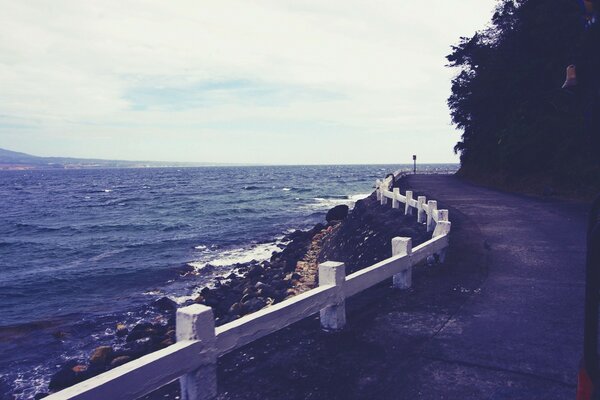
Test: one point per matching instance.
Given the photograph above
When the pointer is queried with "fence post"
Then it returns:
(442, 228)
(333, 273)
(407, 207)
(395, 202)
(442, 215)
(432, 207)
(421, 214)
(402, 246)
(378, 189)
(196, 322)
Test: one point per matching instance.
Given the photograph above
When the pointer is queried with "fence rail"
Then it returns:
(193, 358)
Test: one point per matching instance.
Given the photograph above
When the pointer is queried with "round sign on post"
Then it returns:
(414, 164)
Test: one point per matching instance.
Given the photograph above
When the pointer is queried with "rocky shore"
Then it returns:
(358, 237)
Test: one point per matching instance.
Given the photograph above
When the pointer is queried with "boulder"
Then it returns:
(117, 361)
(101, 356)
(254, 305)
(144, 330)
(337, 213)
(66, 376)
(165, 304)
(121, 330)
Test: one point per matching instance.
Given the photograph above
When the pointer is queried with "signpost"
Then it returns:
(414, 164)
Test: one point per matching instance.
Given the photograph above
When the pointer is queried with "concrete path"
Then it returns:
(501, 319)
(521, 334)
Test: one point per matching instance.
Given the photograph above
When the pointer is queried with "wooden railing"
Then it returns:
(193, 359)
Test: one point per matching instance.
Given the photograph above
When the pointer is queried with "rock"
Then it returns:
(166, 343)
(119, 361)
(59, 335)
(165, 304)
(66, 376)
(101, 356)
(255, 272)
(235, 309)
(259, 285)
(121, 330)
(337, 213)
(200, 299)
(137, 348)
(144, 330)
(293, 276)
(78, 369)
(317, 228)
(254, 305)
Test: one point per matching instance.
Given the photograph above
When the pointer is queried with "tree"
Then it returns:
(506, 99)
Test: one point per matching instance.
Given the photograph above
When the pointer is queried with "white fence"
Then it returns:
(193, 359)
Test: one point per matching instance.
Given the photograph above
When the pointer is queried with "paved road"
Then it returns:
(501, 319)
(521, 333)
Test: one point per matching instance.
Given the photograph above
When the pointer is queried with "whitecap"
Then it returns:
(286, 189)
(259, 252)
(321, 203)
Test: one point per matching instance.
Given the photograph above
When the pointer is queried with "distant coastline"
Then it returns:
(16, 161)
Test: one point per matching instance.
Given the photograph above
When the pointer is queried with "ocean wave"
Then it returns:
(223, 258)
(327, 202)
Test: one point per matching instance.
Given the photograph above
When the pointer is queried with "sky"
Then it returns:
(264, 81)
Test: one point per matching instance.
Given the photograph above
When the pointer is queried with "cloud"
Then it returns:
(79, 76)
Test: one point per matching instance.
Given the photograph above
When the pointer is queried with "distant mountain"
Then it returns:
(12, 160)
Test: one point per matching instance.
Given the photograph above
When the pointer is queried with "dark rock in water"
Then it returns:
(121, 330)
(136, 349)
(59, 335)
(65, 377)
(337, 213)
(101, 356)
(294, 235)
(117, 361)
(186, 269)
(144, 330)
(165, 304)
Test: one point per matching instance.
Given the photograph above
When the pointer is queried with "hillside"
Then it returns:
(12, 160)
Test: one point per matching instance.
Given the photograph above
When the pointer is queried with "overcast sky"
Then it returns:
(281, 82)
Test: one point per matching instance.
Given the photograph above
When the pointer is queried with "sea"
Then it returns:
(82, 250)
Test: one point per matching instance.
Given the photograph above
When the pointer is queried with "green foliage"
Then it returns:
(506, 97)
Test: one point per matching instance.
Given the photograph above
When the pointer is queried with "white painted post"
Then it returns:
(395, 202)
(442, 228)
(402, 246)
(432, 206)
(383, 198)
(442, 215)
(196, 322)
(333, 273)
(378, 189)
(407, 207)
(421, 214)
